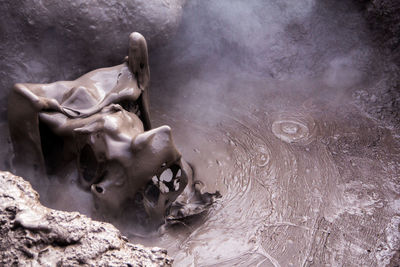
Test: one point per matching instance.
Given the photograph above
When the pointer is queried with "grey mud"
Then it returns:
(94, 135)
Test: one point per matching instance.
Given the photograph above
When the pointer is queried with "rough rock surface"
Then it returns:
(44, 41)
(382, 100)
(384, 18)
(33, 235)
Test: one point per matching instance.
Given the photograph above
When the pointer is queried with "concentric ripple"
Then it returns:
(278, 174)
(300, 129)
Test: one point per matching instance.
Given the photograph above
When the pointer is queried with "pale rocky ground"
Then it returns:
(33, 235)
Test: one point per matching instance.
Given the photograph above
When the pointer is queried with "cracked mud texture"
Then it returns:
(33, 235)
(76, 36)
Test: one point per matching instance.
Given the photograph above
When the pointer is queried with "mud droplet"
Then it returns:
(166, 175)
(163, 188)
(176, 185)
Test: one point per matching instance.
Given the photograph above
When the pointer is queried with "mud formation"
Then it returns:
(44, 41)
(95, 132)
(33, 235)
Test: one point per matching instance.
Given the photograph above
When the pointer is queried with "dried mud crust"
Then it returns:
(33, 235)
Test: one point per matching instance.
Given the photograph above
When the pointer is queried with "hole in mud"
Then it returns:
(88, 164)
(152, 193)
(52, 145)
(99, 189)
(130, 106)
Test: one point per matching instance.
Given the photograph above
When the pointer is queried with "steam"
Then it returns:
(233, 54)
(225, 44)
(233, 60)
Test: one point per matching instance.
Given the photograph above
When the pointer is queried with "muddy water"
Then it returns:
(303, 182)
(306, 177)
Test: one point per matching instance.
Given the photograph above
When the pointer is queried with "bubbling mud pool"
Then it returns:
(302, 183)
(265, 111)
(260, 102)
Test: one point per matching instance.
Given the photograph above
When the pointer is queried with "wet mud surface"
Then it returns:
(263, 99)
(307, 177)
(93, 136)
(302, 183)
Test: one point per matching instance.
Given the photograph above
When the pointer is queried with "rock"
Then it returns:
(384, 18)
(33, 235)
(44, 41)
(383, 101)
